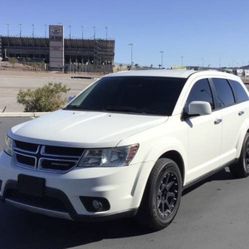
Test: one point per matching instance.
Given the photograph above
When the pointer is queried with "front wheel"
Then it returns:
(162, 195)
(241, 168)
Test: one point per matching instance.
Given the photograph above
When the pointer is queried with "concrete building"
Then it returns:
(91, 55)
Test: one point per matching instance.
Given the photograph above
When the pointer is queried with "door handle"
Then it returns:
(241, 113)
(217, 121)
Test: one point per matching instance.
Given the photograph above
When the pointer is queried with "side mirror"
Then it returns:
(70, 98)
(196, 108)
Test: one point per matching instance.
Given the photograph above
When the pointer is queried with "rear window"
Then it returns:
(224, 92)
(239, 91)
(139, 95)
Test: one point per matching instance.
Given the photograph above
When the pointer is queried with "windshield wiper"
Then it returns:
(127, 109)
(123, 109)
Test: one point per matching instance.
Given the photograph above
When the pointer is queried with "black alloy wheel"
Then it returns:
(240, 169)
(162, 195)
(167, 194)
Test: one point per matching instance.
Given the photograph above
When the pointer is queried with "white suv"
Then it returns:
(128, 145)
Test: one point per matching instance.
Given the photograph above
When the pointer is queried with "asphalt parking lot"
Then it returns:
(213, 214)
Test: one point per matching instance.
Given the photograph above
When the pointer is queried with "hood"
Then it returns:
(83, 129)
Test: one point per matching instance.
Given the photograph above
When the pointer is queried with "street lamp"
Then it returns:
(45, 30)
(131, 45)
(94, 32)
(20, 30)
(70, 34)
(8, 29)
(82, 32)
(181, 60)
(33, 30)
(106, 32)
(162, 53)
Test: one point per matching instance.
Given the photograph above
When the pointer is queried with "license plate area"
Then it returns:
(31, 185)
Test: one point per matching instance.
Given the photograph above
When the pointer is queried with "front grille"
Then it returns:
(56, 164)
(32, 148)
(62, 151)
(26, 160)
(46, 157)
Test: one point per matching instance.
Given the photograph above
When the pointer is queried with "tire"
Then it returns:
(162, 195)
(241, 168)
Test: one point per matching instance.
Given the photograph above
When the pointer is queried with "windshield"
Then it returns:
(132, 95)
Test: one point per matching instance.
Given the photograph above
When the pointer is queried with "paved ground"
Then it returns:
(12, 81)
(213, 214)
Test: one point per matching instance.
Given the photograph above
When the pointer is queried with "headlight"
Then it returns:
(111, 157)
(8, 146)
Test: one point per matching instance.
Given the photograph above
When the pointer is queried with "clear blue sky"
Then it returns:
(203, 32)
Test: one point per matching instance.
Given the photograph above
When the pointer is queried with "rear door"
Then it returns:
(230, 99)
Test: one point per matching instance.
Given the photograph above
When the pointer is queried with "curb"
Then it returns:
(21, 114)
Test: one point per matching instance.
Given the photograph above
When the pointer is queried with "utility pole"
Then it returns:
(94, 32)
(82, 32)
(106, 32)
(20, 30)
(162, 53)
(33, 30)
(70, 35)
(131, 45)
(45, 30)
(8, 29)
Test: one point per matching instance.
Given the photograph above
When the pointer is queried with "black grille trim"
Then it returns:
(53, 164)
(46, 157)
(61, 151)
(27, 147)
(26, 160)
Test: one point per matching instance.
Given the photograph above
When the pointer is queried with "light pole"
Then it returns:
(20, 30)
(162, 53)
(106, 32)
(70, 35)
(45, 30)
(33, 30)
(8, 29)
(131, 45)
(82, 32)
(94, 32)
(181, 60)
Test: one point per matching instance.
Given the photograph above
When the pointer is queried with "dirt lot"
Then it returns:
(12, 81)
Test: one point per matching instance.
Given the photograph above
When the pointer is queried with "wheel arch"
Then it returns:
(142, 181)
(177, 158)
(243, 131)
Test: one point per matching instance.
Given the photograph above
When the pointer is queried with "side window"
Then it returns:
(201, 91)
(224, 92)
(239, 91)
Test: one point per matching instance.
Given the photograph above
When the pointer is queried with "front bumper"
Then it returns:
(117, 185)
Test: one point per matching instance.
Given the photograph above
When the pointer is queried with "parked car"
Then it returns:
(128, 145)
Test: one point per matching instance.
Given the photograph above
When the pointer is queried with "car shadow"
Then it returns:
(27, 230)
(221, 175)
(21, 229)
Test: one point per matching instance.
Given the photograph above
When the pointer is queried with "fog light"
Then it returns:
(98, 206)
(95, 204)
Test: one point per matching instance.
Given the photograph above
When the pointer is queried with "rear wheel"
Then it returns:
(241, 168)
(162, 195)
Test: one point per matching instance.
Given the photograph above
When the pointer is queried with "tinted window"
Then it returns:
(224, 93)
(239, 92)
(141, 95)
(201, 92)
